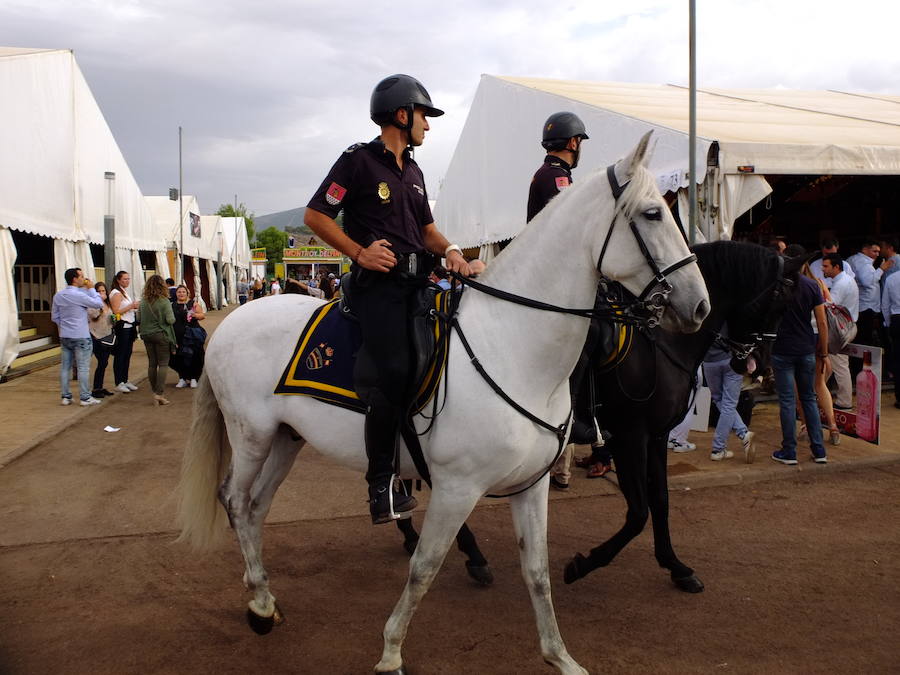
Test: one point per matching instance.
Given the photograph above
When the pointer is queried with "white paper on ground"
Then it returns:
(111, 429)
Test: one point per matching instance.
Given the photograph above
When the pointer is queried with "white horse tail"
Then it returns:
(200, 515)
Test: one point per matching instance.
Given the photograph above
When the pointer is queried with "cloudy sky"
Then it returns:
(270, 92)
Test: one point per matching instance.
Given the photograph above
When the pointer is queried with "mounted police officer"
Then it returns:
(390, 236)
(562, 136)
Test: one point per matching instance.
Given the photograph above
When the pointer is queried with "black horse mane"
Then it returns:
(734, 269)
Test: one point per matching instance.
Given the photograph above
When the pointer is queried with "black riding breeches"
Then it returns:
(383, 303)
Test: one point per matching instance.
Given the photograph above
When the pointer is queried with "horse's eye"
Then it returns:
(653, 214)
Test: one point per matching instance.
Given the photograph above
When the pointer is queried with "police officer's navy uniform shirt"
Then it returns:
(379, 200)
(554, 176)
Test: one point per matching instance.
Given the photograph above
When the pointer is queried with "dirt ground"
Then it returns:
(800, 573)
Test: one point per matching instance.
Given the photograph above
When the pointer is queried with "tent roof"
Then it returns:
(484, 192)
(19, 51)
(760, 117)
(744, 115)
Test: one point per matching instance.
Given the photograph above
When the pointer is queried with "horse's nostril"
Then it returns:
(702, 311)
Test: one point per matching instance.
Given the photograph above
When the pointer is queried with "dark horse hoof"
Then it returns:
(575, 569)
(689, 584)
(480, 573)
(410, 545)
(262, 625)
(397, 671)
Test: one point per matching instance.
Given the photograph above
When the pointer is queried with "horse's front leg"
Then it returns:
(529, 511)
(658, 496)
(630, 455)
(443, 519)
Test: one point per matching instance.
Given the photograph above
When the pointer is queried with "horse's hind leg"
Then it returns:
(443, 519)
(658, 494)
(248, 461)
(529, 511)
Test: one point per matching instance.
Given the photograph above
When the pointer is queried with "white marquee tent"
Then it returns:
(57, 148)
(483, 196)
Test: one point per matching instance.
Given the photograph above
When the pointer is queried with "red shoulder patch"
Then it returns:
(562, 182)
(334, 195)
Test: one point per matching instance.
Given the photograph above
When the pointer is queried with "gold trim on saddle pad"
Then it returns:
(321, 365)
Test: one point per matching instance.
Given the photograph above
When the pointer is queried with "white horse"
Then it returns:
(479, 444)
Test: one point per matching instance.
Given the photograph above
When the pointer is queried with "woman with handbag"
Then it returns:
(100, 323)
(157, 319)
(123, 307)
(189, 357)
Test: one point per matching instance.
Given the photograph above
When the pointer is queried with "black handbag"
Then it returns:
(108, 340)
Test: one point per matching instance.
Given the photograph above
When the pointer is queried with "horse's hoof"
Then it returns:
(410, 545)
(575, 569)
(397, 671)
(261, 625)
(689, 584)
(480, 573)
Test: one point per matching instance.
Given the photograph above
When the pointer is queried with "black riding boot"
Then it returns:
(385, 503)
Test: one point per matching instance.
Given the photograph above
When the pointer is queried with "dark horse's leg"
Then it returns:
(658, 494)
(476, 565)
(630, 453)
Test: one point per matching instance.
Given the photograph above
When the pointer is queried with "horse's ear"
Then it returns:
(627, 167)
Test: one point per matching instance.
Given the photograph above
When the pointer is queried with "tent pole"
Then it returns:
(109, 229)
(692, 115)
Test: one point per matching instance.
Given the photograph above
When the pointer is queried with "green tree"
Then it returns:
(275, 242)
(228, 211)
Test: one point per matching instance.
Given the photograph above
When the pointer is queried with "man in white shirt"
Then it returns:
(867, 278)
(889, 252)
(890, 309)
(829, 246)
(844, 292)
(275, 288)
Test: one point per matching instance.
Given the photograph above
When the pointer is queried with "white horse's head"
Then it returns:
(640, 214)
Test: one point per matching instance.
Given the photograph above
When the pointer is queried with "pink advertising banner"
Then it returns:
(863, 421)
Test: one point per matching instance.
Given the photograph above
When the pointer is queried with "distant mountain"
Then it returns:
(283, 220)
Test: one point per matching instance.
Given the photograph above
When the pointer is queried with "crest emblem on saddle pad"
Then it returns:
(384, 192)
(319, 357)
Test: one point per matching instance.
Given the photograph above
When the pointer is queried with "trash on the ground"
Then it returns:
(111, 429)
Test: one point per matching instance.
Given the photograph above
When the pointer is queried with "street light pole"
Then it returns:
(180, 210)
(692, 122)
(109, 228)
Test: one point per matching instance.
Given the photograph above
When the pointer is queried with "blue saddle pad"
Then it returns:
(322, 363)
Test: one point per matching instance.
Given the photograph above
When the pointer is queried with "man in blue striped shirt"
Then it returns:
(890, 310)
(69, 313)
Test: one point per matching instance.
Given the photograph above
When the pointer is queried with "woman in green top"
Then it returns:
(157, 333)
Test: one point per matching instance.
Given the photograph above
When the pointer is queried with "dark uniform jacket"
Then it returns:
(379, 200)
(553, 177)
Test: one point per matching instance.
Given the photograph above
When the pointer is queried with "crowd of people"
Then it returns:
(93, 322)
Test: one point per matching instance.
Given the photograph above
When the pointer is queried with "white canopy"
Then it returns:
(57, 148)
(484, 193)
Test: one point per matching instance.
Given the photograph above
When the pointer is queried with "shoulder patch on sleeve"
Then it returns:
(562, 182)
(354, 147)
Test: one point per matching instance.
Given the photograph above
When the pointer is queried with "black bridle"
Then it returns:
(742, 350)
(655, 296)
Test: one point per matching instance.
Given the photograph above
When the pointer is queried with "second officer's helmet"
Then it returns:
(399, 91)
(559, 128)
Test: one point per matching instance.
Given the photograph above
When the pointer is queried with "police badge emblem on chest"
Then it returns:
(384, 192)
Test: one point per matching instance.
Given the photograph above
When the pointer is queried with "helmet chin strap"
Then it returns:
(576, 153)
(406, 127)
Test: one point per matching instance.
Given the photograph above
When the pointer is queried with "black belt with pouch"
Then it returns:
(415, 264)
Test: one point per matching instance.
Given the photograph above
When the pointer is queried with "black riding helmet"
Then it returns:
(560, 127)
(400, 91)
